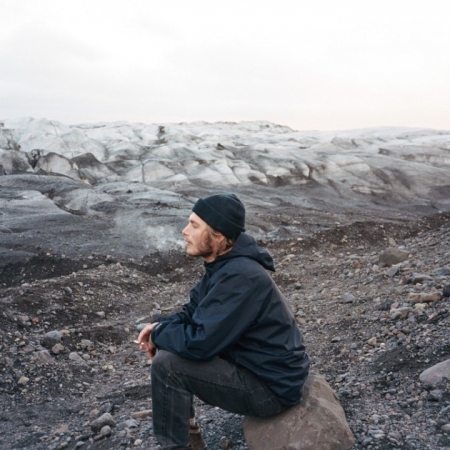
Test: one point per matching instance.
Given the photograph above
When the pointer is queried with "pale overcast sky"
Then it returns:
(315, 64)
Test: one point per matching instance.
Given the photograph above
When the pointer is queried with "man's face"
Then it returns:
(196, 238)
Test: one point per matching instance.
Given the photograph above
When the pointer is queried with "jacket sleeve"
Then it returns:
(219, 320)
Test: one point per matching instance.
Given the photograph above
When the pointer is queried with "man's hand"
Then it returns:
(145, 340)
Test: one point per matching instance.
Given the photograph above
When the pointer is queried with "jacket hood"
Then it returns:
(245, 245)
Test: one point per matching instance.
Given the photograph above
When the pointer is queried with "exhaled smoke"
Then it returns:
(152, 236)
(164, 237)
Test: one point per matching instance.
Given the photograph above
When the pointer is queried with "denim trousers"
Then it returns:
(176, 380)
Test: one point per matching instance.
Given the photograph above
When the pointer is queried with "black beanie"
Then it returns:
(223, 212)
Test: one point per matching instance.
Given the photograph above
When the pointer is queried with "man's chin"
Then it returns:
(192, 253)
(197, 254)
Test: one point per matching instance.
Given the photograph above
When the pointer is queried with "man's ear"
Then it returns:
(221, 238)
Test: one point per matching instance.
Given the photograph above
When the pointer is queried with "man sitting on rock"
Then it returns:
(235, 345)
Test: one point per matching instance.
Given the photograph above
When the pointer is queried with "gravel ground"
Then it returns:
(68, 357)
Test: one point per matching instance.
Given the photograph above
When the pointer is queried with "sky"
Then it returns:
(310, 65)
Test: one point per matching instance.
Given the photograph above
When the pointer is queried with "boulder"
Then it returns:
(317, 423)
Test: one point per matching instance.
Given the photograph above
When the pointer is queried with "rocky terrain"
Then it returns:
(68, 354)
(90, 250)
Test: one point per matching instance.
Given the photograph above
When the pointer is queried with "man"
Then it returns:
(235, 345)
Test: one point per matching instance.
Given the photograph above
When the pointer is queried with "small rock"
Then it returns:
(442, 272)
(420, 278)
(142, 414)
(400, 313)
(43, 357)
(51, 338)
(86, 344)
(105, 431)
(103, 420)
(93, 413)
(392, 271)
(436, 373)
(57, 349)
(74, 356)
(23, 380)
(347, 298)
(392, 256)
(63, 429)
(423, 297)
(105, 407)
(436, 395)
(131, 423)
(226, 444)
(446, 291)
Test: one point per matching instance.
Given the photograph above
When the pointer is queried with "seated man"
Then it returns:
(235, 345)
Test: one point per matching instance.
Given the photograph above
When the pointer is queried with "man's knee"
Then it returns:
(163, 361)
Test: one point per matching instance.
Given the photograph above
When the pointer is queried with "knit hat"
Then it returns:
(223, 212)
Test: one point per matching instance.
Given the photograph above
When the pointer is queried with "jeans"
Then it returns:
(176, 380)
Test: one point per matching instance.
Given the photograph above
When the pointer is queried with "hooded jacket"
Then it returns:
(236, 312)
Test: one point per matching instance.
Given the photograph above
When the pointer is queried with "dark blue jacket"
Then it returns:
(237, 312)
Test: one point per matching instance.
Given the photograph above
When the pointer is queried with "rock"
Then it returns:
(142, 414)
(392, 256)
(74, 356)
(442, 272)
(23, 380)
(392, 271)
(43, 357)
(400, 313)
(106, 407)
(348, 298)
(102, 421)
(436, 373)
(86, 344)
(446, 291)
(423, 297)
(420, 278)
(57, 349)
(317, 423)
(436, 395)
(105, 431)
(51, 338)
(63, 428)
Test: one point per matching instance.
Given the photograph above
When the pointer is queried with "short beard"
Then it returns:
(205, 248)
